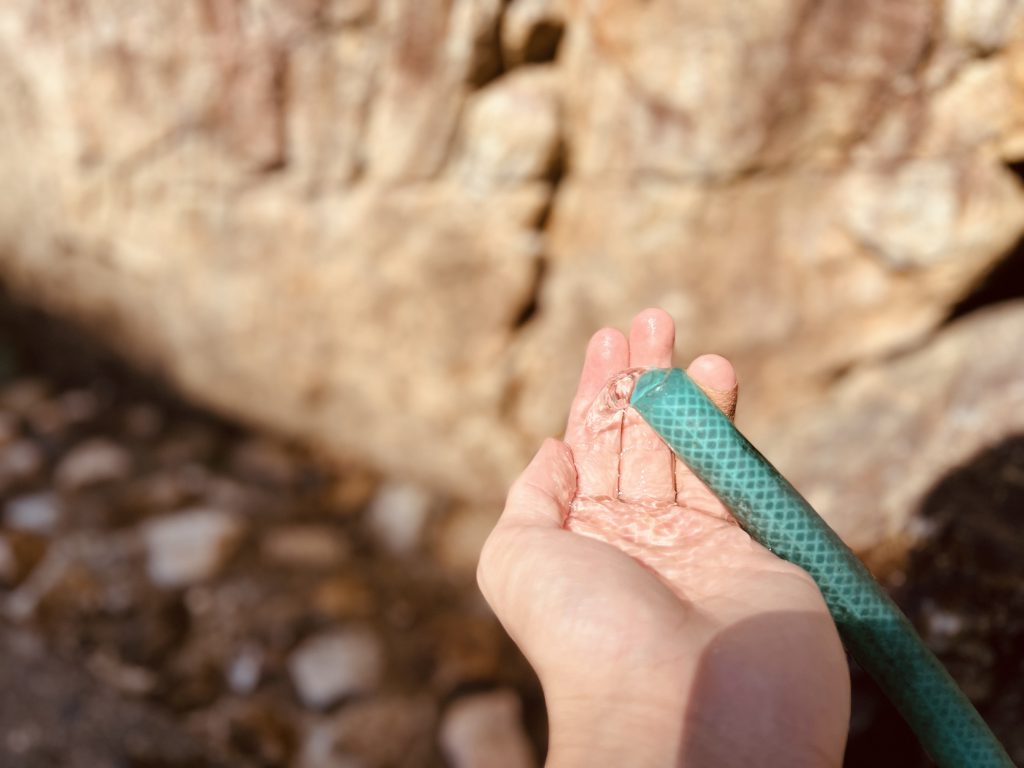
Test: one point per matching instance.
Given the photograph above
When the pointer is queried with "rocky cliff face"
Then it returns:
(388, 227)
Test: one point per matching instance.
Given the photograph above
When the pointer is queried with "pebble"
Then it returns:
(127, 678)
(485, 730)
(20, 461)
(304, 546)
(143, 421)
(461, 536)
(190, 546)
(320, 749)
(352, 491)
(23, 396)
(261, 459)
(944, 623)
(173, 488)
(943, 628)
(343, 597)
(187, 442)
(92, 462)
(397, 515)
(78, 405)
(468, 648)
(36, 512)
(246, 669)
(336, 664)
(253, 731)
(227, 493)
(394, 731)
(47, 419)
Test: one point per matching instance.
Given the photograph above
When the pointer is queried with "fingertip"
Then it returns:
(716, 376)
(606, 345)
(607, 353)
(652, 336)
(652, 322)
(713, 372)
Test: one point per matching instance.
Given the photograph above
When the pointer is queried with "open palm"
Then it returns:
(633, 592)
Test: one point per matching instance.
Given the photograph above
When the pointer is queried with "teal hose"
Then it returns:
(873, 629)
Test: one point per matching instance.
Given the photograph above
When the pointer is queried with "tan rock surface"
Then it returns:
(388, 230)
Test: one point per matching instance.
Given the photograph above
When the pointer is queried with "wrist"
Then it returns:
(615, 729)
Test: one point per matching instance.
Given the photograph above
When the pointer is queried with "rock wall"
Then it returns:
(388, 227)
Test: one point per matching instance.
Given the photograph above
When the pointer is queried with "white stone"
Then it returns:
(397, 515)
(330, 666)
(94, 461)
(36, 512)
(245, 670)
(190, 546)
(945, 624)
(486, 731)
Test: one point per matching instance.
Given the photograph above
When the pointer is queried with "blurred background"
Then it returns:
(293, 288)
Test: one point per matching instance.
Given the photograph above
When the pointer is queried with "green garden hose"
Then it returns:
(873, 629)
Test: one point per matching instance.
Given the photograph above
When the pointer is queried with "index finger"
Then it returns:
(596, 451)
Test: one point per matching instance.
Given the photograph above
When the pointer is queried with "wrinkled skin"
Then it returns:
(661, 633)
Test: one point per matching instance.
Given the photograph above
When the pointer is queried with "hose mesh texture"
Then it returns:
(872, 627)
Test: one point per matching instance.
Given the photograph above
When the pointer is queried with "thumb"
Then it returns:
(717, 378)
(542, 493)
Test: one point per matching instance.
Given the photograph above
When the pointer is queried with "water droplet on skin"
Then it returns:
(612, 401)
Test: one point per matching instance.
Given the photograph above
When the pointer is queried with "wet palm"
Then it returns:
(644, 607)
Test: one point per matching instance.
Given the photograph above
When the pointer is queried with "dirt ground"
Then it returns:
(107, 660)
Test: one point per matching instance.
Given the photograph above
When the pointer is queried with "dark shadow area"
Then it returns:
(34, 340)
(542, 45)
(488, 63)
(964, 591)
(556, 172)
(1005, 282)
(532, 303)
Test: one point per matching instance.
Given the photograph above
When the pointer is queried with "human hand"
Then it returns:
(661, 633)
